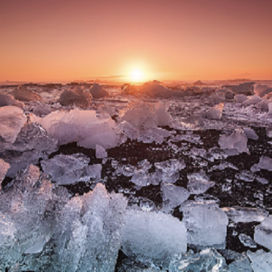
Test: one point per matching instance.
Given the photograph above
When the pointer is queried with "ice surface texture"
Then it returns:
(25, 95)
(153, 237)
(263, 233)
(8, 100)
(264, 163)
(82, 127)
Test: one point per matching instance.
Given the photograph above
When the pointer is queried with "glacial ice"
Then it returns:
(169, 170)
(245, 214)
(215, 112)
(199, 183)
(253, 100)
(237, 141)
(173, 195)
(206, 260)
(11, 121)
(240, 98)
(82, 127)
(247, 241)
(261, 90)
(251, 134)
(3, 170)
(97, 91)
(68, 169)
(263, 233)
(206, 224)
(100, 152)
(8, 100)
(246, 88)
(152, 237)
(261, 261)
(264, 163)
(25, 95)
(77, 96)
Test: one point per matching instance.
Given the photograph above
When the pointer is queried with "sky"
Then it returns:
(122, 40)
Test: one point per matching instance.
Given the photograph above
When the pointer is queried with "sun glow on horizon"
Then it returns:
(137, 75)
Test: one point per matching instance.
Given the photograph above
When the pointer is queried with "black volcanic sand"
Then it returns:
(241, 193)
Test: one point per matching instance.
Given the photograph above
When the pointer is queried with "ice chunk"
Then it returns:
(68, 169)
(246, 176)
(170, 169)
(3, 170)
(240, 98)
(199, 183)
(269, 132)
(98, 91)
(88, 232)
(215, 112)
(218, 97)
(173, 195)
(263, 233)
(246, 88)
(140, 178)
(82, 127)
(8, 100)
(77, 97)
(253, 100)
(41, 109)
(261, 90)
(206, 260)
(153, 237)
(245, 214)
(155, 89)
(264, 163)
(242, 264)
(11, 121)
(247, 240)
(261, 261)
(206, 224)
(251, 134)
(223, 166)
(237, 140)
(25, 95)
(100, 152)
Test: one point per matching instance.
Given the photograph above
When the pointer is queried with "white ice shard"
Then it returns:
(215, 112)
(4, 167)
(88, 232)
(41, 109)
(199, 183)
(100, 152)
(264, 163)
(247, 241)
(12, 120)
(206, 224)
(253, 100)
(173, 196)
(261, 261)
(98, 91)
(170, 169)
(263, 233)
(251, 134)
(245, 214)
(241, 264)
(68, 169)
(206, 260)
(82, 127)
(237, 141)
(153, 237)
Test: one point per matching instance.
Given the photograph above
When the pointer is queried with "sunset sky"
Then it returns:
(52, 40)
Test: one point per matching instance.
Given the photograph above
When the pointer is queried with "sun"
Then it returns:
(137, 75)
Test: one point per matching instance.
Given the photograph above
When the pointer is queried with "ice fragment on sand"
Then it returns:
(261, 261)
(100, 152)
(263, 233)
(173, 195)
(11, 121)
(264, 163)
(170, 169)
(206, 224)
(215, 112)
(240, 98)
(241, 264)
(25, 95)
(253, 100)
(245, 214)
(153, 237)
(246, 176)
(206, 260)
(237, 140)
(251, 134)
(68, 169)
(198, 183)
(247, 240)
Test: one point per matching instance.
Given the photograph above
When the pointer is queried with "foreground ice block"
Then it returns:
(264, 163)
(11, 121)
(261, 261)
(263, 233)
(8, 100)
(215, 112)
(206, 224)
(237, 140)
(68, 169)
(153, 237)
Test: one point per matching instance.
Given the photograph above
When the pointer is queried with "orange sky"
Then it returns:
(52, 40)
